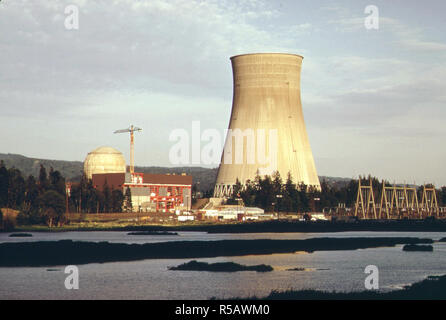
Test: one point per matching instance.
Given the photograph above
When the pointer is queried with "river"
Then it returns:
(151, 279)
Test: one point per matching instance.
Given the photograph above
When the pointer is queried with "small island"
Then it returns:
(20, 235)
(152, 233)
(416, 247)
(194, 265)
(296, 269)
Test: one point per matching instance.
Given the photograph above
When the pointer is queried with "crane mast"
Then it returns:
(131, 130)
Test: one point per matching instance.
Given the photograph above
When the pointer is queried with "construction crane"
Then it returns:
(131, 129)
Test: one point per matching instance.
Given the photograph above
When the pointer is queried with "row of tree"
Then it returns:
(44, 200)
(85, 198)
(272, 194)
(40, 200)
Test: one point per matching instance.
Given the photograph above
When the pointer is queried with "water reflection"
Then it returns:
(151, 279)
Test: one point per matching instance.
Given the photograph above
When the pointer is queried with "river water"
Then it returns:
(151, 279)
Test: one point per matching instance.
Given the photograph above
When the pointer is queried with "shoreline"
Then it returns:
(68, 252)
(274, 226)
(431, 288)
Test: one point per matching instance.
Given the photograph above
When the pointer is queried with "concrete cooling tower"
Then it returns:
(266, 130)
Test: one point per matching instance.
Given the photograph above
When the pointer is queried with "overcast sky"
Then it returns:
(374, 100)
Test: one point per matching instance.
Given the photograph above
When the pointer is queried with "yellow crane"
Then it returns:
(131, 129)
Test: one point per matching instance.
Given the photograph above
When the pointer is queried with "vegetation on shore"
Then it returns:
(194, 265)
(66, 252)
(417, 247)
(275, 226)
(42, 199)
(272, 193)
(432, 288)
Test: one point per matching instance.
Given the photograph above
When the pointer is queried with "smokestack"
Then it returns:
(266, 130)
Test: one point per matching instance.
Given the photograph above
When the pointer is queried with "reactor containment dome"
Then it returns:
(104, 160)
(266, 130)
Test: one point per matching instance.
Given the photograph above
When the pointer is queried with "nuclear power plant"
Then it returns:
(104, 160)
(148, 192)
(266, 130)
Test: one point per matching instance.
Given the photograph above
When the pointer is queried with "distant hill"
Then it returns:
(31, 166)
(337, 182)
(72, 170)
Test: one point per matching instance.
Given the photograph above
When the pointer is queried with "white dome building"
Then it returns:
(104, 160)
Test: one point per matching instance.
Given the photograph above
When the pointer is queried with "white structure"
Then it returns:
(267, 128)
(104, 160)
(232, 212)
(318, 216)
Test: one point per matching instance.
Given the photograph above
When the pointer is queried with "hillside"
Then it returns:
(31, 166)
(204, 177)
(72, 170)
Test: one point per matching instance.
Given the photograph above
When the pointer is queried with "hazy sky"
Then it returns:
(374, 100)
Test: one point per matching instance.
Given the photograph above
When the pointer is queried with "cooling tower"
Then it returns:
(266, 129)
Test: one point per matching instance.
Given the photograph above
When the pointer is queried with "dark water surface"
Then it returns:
(151, 279)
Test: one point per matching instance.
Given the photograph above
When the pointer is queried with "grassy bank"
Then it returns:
(254, 227)
(432, 288)
(66, 252)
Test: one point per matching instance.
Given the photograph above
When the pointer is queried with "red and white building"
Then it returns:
(150, 192)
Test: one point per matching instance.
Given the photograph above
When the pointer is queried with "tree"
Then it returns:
(442, 197)
(56, 182)
(4, 185)
(304, 203)
(265, 196)
(289, 195)
(43, 180)
(277, 183)
(16, 190)
(351, 192)
(277, 190)
(107, 197)
(117, 200)
(91, 197)
(128, 206)
(248, 194)
(32, 192)
(53, 207)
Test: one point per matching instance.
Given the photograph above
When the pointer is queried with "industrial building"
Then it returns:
(234, 212)
(150, 192)
(104, 160)
(266, 99)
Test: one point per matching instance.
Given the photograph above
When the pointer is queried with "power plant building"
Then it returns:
(267, 131)
(104, 160)
(150, 192)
